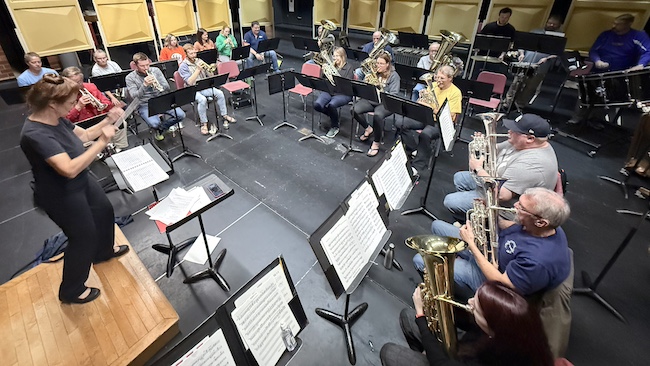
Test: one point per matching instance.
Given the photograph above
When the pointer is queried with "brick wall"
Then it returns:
(5, 69)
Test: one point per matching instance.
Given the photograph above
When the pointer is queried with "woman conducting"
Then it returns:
(511, 333)
(328, 104)
(389, 83)
(62, 185)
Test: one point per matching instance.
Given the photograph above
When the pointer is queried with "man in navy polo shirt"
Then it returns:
(253, 38)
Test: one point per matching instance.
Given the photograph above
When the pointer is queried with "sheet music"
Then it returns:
(203, 198)
(447, 127)
(365, 219)
(393, 177)
(212, 350)
(174, 207)
(128, 111)
(341, 246)
(258, 318)
(139, 168)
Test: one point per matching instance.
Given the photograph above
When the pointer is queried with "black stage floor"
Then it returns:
(284, 189)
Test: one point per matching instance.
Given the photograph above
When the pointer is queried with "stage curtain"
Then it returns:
(526, 15)
(363, 15)
(175, 17)
(404, 15)
(50, 27)
(328, 9)
(587, 19)
(214, 14)
(460, 16)
(114, 15)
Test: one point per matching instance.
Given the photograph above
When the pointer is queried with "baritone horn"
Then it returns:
(93, 100)
(210, 69)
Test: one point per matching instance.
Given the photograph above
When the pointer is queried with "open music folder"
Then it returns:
(139, 169)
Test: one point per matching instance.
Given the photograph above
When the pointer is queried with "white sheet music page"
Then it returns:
(447, 127)
(341, 246)
(174, 207)
(364, 217)
(139, 168)
(212, 350)
(258, 318)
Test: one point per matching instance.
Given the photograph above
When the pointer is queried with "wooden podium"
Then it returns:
(129, 322)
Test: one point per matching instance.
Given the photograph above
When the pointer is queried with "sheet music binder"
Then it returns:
(376, 166)
(156, 154)
(242, 355)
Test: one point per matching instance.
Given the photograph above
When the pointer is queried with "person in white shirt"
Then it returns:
(104, 66)
(425, 62)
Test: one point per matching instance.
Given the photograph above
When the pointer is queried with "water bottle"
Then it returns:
(288, 338)
(390, 254)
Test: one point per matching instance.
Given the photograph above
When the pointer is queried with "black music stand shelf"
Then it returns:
(172, 250)
(250, 73)
(214, 82)
(170, 101)
(158, 156)
(279, 82)
(471, 89)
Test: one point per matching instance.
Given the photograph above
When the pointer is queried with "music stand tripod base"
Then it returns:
(211, 272)
(284, 124)
(590, 291)
(345, 322)
(256, 118)
(172, 251)
(350, 149)
(311, 135)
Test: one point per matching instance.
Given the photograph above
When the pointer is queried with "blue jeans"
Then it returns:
(416, 91)
(161, 123)
(250, 61)
(360, 75)
(461, 201)
(202, 102)
(326, 103)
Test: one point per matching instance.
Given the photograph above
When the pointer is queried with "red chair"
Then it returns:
(231, 68)
(178, 80)
(499, 84)
(303, 91)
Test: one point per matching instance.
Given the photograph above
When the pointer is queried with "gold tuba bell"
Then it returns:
(324, 57)
(368, 66)
(442, 57)
(439, 254)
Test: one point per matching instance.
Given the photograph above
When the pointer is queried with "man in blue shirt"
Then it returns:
(35, 70)
(253, 38)
(621, 47)
(367, 48)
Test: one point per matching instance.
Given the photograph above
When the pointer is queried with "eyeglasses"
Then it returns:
(519, 207)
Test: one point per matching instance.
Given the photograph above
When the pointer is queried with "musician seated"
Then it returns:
(553, 24)
(509, 333)
(443, 89)
(203, 41)
(104, 66)
(35, 70)
(425, 62)
(225, 43)
(368, 47)
(327, 103)
(533, 253)
(171, 50)
(147, 82)
(389, 82)
(328, 41)
(253, 38)
(617, 49)
(193, 69)
(87, 107)
(526, 160)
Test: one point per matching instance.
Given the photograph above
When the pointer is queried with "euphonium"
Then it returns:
(156, 85)
(94, 101)
(486, 145)
(442, 57)
(368, 65)
(439, 254)
(427, 95)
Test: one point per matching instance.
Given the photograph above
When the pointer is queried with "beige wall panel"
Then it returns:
(587, 19)
(404, 15)
(363, 14)
(455, 16)
(260, 10)
(66, 30)
(114, 17)
(526, 15)
(328, 9)
(214, 14)
(175, 17)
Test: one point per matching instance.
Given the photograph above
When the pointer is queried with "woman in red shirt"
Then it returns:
(203, 41)
(172, 51)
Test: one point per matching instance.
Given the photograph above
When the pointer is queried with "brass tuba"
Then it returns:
(324, 58)
(443, 57)
(439, 254)
(368, 66)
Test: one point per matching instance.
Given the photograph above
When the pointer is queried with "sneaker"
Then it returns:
(415, 172)
(226, 125)
(173, 129)
(457, 224)
(213, 130)
(159, 136)
(332, 132)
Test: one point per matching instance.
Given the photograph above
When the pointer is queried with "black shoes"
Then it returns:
(123, 249)
(94, 293)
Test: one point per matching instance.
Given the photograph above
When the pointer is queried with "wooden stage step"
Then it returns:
(127, 324)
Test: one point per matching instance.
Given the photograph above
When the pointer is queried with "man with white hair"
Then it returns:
(425, 62)
(367, 48)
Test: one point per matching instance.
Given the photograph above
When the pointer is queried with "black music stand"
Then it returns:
(355, 55)
(316, 84)
(110, 81)
(214, 82)
(591, 287)
(240, 53)
(407, 39)
(167, 67)
(279, 82)
(172, 250)
(471, 89)
(209, 56)
(170, 101)
(15, 95)
(411, 75)
(307, 44)
(489, 43)
(250, 73)
(268, 45)
(355, 89)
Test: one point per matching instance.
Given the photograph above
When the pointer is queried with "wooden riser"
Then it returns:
(127, 324)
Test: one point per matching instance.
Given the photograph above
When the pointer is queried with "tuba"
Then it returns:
(94, 101)
(368, 66)
(443, 57)
(439, 254)
(324, 58)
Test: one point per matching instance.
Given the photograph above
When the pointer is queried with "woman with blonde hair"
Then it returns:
(172, 51)
(328, 104)
(225, 43)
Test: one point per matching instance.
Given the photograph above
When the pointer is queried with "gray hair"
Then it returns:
(447, 70)
(549, 205)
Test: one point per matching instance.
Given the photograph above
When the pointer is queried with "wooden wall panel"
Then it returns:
(363, 15)
(251, 10)
(214, 14)
(404, 15)
(328, 9)
(114, 14)
(175, 17)
(456, 16)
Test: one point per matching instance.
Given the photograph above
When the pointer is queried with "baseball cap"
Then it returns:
(529, 124)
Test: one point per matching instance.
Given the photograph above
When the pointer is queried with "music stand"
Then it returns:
(167, 67)
(170, 101)
(240, 53)
(278, 82)
(344, 86)
(209, 56)
(214, 82)
(111, 81)
(15, 95)
(489, 43)
(250, 73)
(355, 54)
(471, 89)
(316, 84)
(307, 44)
(268, 45)
(411, 75)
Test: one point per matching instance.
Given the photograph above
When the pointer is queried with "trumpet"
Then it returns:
(210, 69)
(156, 85)
(93, 100)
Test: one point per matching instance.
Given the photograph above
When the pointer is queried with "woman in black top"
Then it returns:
(62, 185)
(511, 334)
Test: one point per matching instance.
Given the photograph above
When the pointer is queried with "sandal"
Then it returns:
(374, 150)
(204, 128)
(229, 119)
(366, 134)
